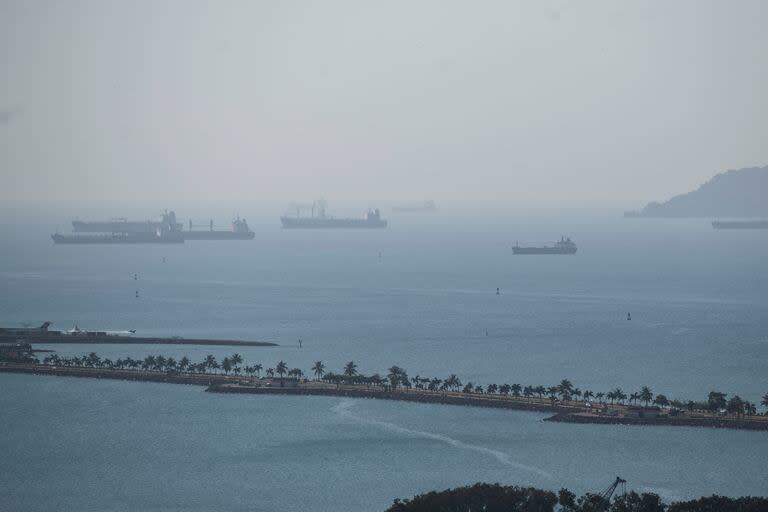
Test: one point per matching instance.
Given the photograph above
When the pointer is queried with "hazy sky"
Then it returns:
(369, 100)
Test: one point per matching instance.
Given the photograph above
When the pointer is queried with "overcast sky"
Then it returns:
(392, 99)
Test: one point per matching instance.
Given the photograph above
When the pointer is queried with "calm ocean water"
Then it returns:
(699, 322)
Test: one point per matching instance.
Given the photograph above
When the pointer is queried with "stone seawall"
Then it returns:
(216, 383)
(675, 421)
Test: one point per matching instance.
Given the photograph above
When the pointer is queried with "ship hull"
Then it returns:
(318, 223)
(134, 238)
(743, 224)
(80, 226)
(217, 235)
(542, 250)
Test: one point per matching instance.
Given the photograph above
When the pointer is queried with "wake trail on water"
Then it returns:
(344, 409)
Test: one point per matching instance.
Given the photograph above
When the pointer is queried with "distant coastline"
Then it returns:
(733, 194)
(565, 411)
(134, 340)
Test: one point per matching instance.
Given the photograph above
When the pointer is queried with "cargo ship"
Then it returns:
(564, 246)
(165, 231)
(320, 220)
(239, 231)
(120, 231)
(121, 238)
(121, 225)
(740, 224)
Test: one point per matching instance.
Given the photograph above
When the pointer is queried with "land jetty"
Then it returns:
(561, 411)
(139, 340)
(48, 336)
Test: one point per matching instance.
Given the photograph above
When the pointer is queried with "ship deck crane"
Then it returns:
(607, 493)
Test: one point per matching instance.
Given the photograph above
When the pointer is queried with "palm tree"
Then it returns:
(646, 395)
(661, 400)
(170, 364)
(281, 368)
(93, 360)
(453, 382)
(395, 376)
(492, 388)
(184, 363)
(552, 392)
(764, 402)
(350, 369)
(236, 359)
(504, 389)
(468, 388)
(226, 365)
(257, 368)
(736, 405)
(540, 390)
(516, 388)
(270, 372)
(565, 389)
(528, 392)
(634, 397)
(587, 395)
(319, 369)
(210, 362)
(599, 396)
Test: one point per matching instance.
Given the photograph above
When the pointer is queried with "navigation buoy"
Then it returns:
(498, 291)
(629, 316)
(135, 277)
(137, 294)
(486, 332)
(300, 342)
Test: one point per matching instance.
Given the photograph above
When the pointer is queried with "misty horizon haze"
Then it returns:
(543, 101)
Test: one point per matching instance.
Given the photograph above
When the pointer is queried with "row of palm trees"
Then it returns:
(209, 365)
(397, 378)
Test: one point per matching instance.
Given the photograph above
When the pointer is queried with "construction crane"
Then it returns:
(606, 494)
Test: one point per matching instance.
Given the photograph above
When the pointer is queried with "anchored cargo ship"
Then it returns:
(121, 238)
(564, 246)
(319, 220)
(121, 225)
(165, 231)
(740, 224)
(240, 231)
(119, 231)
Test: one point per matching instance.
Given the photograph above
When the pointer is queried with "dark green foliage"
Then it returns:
(567, 500)
(722, 504)
(498, 498)
(633, 502)
(480, 497)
